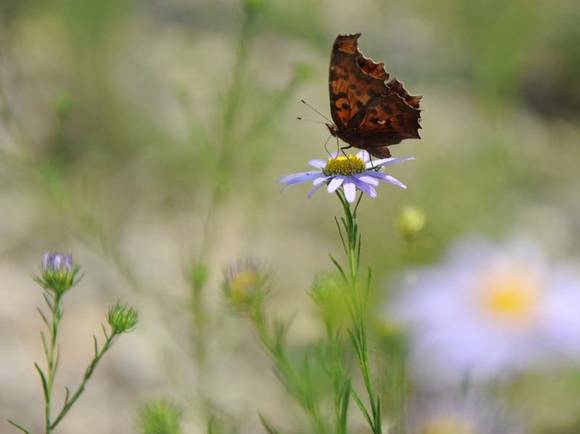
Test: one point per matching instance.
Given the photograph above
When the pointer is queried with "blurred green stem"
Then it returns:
(298, 384)
(232, 102)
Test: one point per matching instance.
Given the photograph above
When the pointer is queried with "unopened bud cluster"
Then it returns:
(122, 318)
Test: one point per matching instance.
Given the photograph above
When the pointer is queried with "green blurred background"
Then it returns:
(143, 136)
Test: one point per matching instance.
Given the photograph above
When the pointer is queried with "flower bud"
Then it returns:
(411, 222)
(122, 318)
(245, 282)
(160, 417)
(328, 292)
(58, 273)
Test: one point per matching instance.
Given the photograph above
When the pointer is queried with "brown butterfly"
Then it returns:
(369, 111)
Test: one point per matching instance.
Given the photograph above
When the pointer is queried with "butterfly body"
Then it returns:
(369, 111)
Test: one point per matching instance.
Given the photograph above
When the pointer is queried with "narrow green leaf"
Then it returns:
(44, 344)
(267, 425)
(338, 266)
(67, 395)
(107, 337)
(43, 316)
(340, 233)
(358, 252)
(344, 402)
(48, 301)
(43, 380)
(362, 408)
(15, 425)
(95, 345)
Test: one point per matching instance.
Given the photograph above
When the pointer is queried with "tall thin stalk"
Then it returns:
(358, 296)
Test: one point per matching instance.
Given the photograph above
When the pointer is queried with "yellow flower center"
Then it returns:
(343, 165)
(449, 425)
(512, 296)
(242, 284)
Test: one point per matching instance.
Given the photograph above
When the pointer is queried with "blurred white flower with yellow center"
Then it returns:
(512, 296)
(490, 311)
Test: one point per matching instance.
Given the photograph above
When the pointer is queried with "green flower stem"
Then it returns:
(53, 300)
(51, 353)
(297, 383)
(358, 300)
(70, 400)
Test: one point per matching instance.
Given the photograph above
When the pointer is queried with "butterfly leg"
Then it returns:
(325, 144)
(372, 162)
(337, 146)
(343, 148)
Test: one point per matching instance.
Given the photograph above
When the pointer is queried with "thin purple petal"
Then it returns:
(314, 190)
(321, 179)
(367, 178)
(318, 164)
(46, 261)
(386, 178)
(298, 178)
(384, 162)
(335, 183)
(365, 187)
(349, 190)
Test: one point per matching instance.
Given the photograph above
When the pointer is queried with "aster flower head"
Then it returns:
(349, 173)
(489, 311)
(58, 272)
(245, 282)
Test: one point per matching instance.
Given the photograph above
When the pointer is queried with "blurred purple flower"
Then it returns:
(489, 311)
(58, 273)
(350, 173)
(57, 262)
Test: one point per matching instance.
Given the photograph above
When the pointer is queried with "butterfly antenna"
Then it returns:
(314, 110)
(300, 118)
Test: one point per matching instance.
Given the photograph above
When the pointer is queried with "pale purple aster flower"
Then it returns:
(490, 311)
(351, 173)
(58, 272)
(57, 262)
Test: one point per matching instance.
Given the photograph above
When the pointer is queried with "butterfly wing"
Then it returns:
(370, 112)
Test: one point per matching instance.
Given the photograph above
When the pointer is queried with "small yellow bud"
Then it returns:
(245, 282)
(411, 222)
